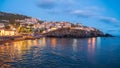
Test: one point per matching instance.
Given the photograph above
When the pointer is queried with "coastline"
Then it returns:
(59, 33)
(33, 38)
(5, 39)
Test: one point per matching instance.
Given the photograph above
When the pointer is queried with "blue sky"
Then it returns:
(102, 14)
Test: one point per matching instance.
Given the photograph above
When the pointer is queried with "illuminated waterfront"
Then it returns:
(61, 53)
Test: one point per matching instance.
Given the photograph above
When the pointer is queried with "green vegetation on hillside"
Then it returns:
(11, 17)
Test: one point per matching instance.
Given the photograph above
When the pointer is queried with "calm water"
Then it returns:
(61, 53)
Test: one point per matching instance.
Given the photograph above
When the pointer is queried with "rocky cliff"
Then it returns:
(74, 33)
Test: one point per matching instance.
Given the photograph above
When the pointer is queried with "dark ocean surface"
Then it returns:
(61, 53)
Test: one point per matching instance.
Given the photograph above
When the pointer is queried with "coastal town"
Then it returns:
(59, 34)
(32, 25)
(31, 28)
(20, 27)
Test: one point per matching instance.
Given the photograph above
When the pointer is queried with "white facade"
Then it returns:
(2, 25)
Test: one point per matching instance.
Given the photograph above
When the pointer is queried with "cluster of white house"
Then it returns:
(48, 26)
(12, 31)
(6, 32)
(44, 24)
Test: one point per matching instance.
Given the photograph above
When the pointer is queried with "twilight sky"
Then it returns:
(102, 14)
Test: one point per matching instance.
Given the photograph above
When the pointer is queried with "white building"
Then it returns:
(2, 25)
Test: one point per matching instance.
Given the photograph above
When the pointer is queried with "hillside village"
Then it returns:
(31, 25)
(20, 25)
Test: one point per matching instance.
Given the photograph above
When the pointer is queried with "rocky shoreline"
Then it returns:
(4, 39)
(75, 33)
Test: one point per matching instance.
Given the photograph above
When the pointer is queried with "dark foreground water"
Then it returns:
(61, 53)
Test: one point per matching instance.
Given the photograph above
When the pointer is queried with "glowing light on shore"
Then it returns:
(7, 32)
(44, 32)
(52, 29)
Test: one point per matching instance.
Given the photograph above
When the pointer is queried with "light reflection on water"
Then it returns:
(61, 53)
(91, 45)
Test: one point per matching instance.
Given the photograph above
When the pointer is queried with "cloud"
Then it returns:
(108, 19)
(83, 13)
(46, 4)
(49, 4)
(61, 7)
(94, 8)
(54, 12)
(87, 12)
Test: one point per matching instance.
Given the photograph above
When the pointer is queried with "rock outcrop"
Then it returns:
(108, 35)
(74, 33)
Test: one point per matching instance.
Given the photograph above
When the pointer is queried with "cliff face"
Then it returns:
(76, 33)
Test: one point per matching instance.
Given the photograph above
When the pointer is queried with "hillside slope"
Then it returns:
(11, 17)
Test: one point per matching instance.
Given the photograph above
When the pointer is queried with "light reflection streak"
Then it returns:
(53, 42)
(98, 42)
(75, 45)
(43, 41)
(91, 45)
